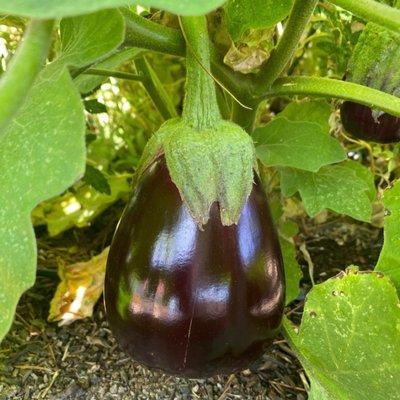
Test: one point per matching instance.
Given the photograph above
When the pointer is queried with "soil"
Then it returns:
(39, 360)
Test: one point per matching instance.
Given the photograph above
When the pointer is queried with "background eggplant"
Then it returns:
(189, 301)
(360, 122)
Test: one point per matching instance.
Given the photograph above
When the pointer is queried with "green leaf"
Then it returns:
(24, 68)
(242, 15)
(81, 207)
(89, 37)
(366, 175)
(336, 187)
(42, 153)
(97, 180)
(43, 150)
(302, 145)
(86, 83)
(94, 107)
(292, 270)
(318, 111)
(349, 338)
(62, 8)
(389, 259)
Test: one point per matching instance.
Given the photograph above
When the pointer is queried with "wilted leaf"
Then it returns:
(80, 287)
(79, 208)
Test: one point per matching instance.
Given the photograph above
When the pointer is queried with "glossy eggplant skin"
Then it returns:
(359, 121)
(193, 302)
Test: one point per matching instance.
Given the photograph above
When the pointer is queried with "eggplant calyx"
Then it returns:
(214, 165)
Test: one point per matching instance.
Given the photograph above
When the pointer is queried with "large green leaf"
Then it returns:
(318, 111)
(242, 15)
(349, 338)
(42, 153)
(336, 187)
(63, 8)
(389, 260)
(87, 38)
(301, 145)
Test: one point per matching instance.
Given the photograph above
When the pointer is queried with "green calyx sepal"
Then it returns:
(207, 166)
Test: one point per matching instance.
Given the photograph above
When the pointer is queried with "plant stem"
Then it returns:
(244, 117)
(142, 33)
(155, 89)
(283, 53)
(200, 106)
(24, 68)
(373, 11)
(115, 74)
(326, 87)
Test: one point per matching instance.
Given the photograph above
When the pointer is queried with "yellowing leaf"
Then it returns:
(80, 287)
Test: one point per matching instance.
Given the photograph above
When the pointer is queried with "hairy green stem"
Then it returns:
(373, 11)
(155, 89)
(115, 74)
(149, 35)
(244, 117)
(326, 87)
(200, 106)
(24, 68)
(143, 33)
(283, 53)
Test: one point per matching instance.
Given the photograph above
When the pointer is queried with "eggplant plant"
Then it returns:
(201, 275)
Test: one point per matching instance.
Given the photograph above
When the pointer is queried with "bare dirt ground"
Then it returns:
(39, 360)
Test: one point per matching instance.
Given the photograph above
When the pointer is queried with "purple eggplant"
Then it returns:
(193, 301)
(360, 122)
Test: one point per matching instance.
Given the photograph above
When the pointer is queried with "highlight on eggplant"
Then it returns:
(363, 123)
(193, 302)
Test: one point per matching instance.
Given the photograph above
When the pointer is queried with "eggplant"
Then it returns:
(360, 122)
(188, 300)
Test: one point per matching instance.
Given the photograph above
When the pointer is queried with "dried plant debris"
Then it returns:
(80, 287)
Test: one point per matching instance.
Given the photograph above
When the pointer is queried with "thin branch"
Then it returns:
(143, 33)
(283, 53)
(24, 68)
(373, 11)
(326, 87)
(114, 74)
(155, 89)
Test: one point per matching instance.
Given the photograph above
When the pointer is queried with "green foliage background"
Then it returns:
(302, 150)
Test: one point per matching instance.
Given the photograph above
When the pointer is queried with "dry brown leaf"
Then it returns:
(80, 287)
